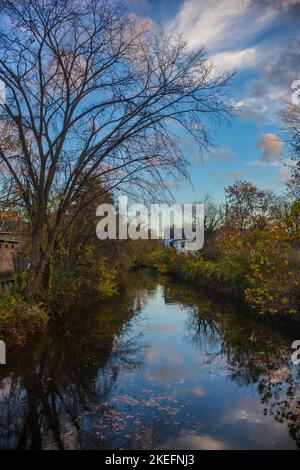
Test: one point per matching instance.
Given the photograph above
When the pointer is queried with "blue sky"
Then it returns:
(260, 41)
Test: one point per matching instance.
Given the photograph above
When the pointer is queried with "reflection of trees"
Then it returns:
(256, 351)
(54, 395)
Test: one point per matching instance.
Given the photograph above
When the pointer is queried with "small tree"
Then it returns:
(247, 206)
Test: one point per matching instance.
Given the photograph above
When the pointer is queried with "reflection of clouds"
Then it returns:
(172, 355)
(166, 372)
(172, 372)
(159, 385)
(198, 391)
(245, 410)
(151, 354)
(165, 329)
(279, 375)
(5, 388)
(258, 430)
(200, 442)
(167, 353)
(240, 414)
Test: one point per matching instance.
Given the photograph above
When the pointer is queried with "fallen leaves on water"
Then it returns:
(110, 414)
(127, 399)
(118, 427)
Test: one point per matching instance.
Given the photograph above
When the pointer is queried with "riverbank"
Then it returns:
(21, 321)
(265, 277)
(267, 286)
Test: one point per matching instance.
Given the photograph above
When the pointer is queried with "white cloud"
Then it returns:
(284, 175)
(230, 60)
(215, 23)
(257, 114)
(234, 34)
(186, 440)
(221, 26)
(271, 146)
(259, 163)
(222, 154)
(205, 24)
(228, 178)
(272, 87)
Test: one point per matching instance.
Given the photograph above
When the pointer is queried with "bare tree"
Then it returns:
(247, 206)
(212, 216)
(92, 94)
(290, 117)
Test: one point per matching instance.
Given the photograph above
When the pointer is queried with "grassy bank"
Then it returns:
(265, 278)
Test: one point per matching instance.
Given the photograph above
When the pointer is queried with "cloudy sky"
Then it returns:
(260, 41)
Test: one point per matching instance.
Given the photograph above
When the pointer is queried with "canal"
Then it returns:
(160, 366)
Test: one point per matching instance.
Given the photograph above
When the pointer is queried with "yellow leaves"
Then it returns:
(271, 277)
(161, 268)
(260, 266)
(107, 285)
(293, 218)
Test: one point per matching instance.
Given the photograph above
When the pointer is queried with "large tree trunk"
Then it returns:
(39, 262)
(35, 277)
(34, 256)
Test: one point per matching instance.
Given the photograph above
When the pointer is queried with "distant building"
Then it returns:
(8, 221)
(180, 244)
(10, 243)
(8, 247)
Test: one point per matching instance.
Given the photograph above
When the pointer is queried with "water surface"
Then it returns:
(159, 367)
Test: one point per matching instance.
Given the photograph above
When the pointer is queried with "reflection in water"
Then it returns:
(158, 367)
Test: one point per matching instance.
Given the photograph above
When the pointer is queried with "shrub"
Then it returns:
(20, 320)
(107, 284)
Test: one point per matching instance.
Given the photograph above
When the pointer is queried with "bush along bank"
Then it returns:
(260, 268)
(21, 321)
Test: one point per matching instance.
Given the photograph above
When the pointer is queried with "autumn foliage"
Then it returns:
(254, 255)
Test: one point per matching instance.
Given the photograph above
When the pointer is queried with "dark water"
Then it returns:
(159, 367)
